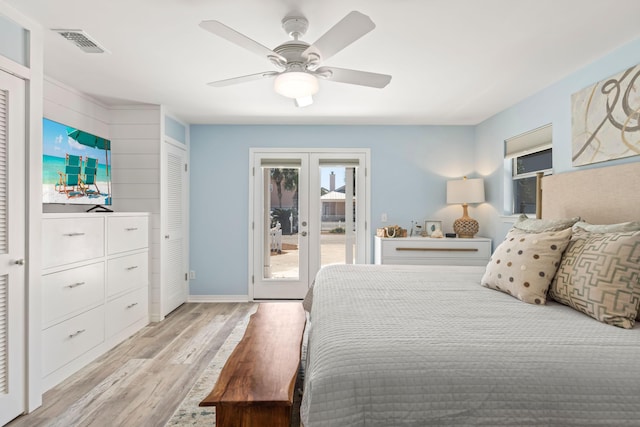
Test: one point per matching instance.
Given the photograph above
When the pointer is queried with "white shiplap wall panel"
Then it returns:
(124, 204)
(135, 131)
(78, 119)
(135, 161)
(135, 138)
(136, 115)
(141, 176)
(135, 146)
(142, 191)
(71, 107)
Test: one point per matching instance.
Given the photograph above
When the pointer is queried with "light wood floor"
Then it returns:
(143, 380)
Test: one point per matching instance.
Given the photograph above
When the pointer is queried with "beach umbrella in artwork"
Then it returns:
(90, 140)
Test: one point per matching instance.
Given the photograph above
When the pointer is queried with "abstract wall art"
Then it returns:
(605, 119)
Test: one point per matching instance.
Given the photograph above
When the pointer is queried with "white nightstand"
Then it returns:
(428, 251)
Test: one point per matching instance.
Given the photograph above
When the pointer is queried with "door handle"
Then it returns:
(303, 233)
(19, 261)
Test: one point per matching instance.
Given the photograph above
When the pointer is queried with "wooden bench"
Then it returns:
(256, 385)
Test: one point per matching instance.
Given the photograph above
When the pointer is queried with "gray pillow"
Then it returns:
(533, 225)
(607, 228)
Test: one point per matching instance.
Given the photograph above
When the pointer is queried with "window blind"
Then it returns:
(529, 142)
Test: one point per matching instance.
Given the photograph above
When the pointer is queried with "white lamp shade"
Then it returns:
(465, 191)
(296, 84)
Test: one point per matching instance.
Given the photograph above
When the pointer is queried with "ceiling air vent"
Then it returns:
(82, 40)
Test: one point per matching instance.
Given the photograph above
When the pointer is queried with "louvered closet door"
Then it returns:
(12, 248)
(175, 288)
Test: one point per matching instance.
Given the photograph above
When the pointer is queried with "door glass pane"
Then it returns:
(337, 215)
(281, 254)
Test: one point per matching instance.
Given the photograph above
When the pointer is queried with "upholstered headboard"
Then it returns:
(604, 195)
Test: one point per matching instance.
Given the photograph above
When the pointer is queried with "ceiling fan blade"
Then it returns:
(229, 34)
(354, 77)
(349, 29)
(242, 79)
(304, 102)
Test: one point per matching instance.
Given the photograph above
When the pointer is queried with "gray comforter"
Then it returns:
(421, 346)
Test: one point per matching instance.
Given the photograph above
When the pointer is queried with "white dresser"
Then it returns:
(95, 287)
(430, 251)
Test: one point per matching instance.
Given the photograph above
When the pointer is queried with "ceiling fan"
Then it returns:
(298, 61)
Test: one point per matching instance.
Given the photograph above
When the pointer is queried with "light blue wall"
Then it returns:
(410, 166)
(551, 105)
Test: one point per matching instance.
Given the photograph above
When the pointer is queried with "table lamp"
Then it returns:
(465, 191)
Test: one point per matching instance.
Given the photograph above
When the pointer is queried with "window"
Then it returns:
(526, 155)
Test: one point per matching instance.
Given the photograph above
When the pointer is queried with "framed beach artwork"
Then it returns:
(605, 119)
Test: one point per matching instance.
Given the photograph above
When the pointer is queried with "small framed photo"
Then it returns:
(431, 225)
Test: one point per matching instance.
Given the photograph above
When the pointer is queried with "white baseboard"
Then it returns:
(218, 298)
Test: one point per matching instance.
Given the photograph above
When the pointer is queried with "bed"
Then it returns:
(430, 345)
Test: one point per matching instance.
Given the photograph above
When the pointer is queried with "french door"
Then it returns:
(12, 247)
(309, 209)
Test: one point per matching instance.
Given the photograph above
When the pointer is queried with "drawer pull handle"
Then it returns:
(133, 267)
(74, 234)
(76, 333)
(132, 305)
(75, 285)
(439, 249)
(131, 228)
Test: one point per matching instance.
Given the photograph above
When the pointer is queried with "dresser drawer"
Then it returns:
(127, 273)
(71, 338)
(126, 310)
(69, 291)
(127, 233)
(67, 240)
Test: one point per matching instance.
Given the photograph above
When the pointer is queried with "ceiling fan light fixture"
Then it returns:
(296, 84)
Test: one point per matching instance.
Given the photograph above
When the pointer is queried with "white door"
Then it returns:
(300, 223)
(175, 284)
(12, 248)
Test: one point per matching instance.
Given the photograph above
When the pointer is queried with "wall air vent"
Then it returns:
(82, 40)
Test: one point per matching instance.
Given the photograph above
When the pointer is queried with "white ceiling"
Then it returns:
(452, 61)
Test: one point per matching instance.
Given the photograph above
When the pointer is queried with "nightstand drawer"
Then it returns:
(421, 250)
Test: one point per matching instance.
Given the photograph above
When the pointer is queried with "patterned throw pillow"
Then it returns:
(599, 275)
(533, 225)
(525, 263)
